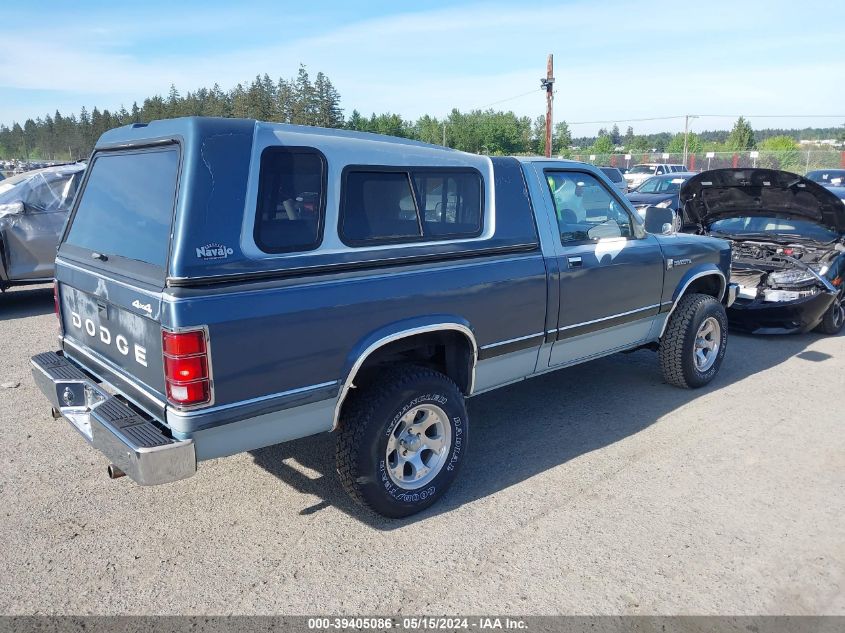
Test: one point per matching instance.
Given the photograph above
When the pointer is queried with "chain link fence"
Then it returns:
(799, 161)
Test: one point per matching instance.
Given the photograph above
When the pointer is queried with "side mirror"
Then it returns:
(660, 220)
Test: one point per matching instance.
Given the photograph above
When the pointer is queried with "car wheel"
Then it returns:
(402, 441)
(834, 318)
(694, 343)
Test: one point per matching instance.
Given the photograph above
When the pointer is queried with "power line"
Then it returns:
(655, 118)
(776, 116)
(715, 116)
(524, 94)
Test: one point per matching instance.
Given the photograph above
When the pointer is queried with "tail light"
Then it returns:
(187, 372)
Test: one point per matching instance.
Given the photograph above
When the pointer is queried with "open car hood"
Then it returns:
(730, 193)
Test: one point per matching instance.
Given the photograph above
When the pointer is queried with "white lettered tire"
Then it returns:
(402, 440)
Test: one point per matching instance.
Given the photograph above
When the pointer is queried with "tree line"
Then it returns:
(301, 100)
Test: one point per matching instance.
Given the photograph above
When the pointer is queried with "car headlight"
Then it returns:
(665, 204)
(792, 277)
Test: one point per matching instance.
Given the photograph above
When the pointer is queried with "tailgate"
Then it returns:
(116, 334)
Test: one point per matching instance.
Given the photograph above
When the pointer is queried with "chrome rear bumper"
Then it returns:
(129, 439)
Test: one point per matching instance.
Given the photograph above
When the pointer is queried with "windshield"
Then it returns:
(643, 169)
(775, 227)
(126, 208)
(661, 185)
(834, 177)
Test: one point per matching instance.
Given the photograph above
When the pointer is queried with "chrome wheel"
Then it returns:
(418, 446)
(708, 340)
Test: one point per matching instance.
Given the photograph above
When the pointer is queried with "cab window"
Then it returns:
(586, 211)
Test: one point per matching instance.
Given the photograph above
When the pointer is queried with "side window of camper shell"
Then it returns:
(291, 200)
(389, 205)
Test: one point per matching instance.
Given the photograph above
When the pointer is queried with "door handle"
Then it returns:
(574, 262)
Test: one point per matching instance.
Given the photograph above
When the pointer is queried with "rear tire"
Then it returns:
(694, 343)
(402, 440)
(833, 320)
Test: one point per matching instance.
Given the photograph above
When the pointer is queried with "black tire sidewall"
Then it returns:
(827, 325)
(380, 492)
(702, 311)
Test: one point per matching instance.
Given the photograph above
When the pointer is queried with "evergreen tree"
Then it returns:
(18, 141)
(173, 100)
(328, 112)
(217, 102)
(628, 139)
(741, 137)
(356, 122)
(284, 100)
(303, 106)
(240, 104)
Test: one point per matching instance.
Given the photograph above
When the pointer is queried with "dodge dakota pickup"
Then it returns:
(224, 285)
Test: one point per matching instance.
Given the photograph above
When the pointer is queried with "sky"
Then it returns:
(615, 60)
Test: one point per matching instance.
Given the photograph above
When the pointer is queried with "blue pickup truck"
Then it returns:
(224, 285)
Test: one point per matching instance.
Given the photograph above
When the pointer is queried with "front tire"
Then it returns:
(402, 440)
(694, 343)
(834, 319)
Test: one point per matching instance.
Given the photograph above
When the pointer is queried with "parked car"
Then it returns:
(638, 174)
(616, 177)
(839, 192)
(827, 177)
(788, 236)
(226, 284)
(33, 210)
(660, 191)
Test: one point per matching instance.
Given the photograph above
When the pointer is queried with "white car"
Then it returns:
(638, 174)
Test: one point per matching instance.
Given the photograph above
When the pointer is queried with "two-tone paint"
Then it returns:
(290, 332)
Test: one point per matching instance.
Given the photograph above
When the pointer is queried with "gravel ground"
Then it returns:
(593, 490)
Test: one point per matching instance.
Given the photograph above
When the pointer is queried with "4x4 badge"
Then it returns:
(214, 251)
(146, 307)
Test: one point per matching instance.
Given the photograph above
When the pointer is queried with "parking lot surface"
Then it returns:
(592, 490)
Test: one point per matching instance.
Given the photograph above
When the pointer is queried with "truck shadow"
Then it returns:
(20, 303)
(534, 425)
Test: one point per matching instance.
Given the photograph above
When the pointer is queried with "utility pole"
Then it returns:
(548, 83)
(444, 135)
